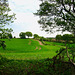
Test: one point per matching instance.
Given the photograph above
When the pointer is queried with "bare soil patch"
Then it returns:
(40, 42)
(38, 48)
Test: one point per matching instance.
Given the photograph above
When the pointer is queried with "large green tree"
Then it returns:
(5, 16)
(36, 36)
(57, 15)
(5, 19)
(22, 35)
(28, 34)
(58, 37)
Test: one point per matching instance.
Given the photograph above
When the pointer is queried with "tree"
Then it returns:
(6, 33)
(10, 35)
(58, 37)
(5, 19)
(57, 15)
(14, 36)
(67, 38)
(36, 36)
(28, 34)
(22, 35)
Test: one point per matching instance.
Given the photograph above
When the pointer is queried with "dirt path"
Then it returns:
(40, 42)
(38, 48)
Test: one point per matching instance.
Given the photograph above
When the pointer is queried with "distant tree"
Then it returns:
(22, 35)
(14, 36)
(67, 37)
(42, 38)
(28, 34)
(58, 37)
(36, 36)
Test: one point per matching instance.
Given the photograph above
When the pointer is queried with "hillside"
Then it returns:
(26, 49)
(28, 57)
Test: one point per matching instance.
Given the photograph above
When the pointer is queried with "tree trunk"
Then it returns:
(68, 55)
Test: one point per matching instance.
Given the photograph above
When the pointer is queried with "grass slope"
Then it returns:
(20, 51)
(27, 49)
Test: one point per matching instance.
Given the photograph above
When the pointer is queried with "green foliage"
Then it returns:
(22, 35)
(5, 18)
(36, 36)
(2, 44)
(67, 37)
(14, 36)
(42, 38)
(57, 15)
(10, 36)
(41, 67)
(2, 60)
(5, 35)
(29, 34)
(58, 37)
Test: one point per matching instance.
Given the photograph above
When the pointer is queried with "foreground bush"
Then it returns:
(41, 67)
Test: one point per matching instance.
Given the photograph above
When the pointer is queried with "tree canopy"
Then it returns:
(29, 34)
(58, 37)
(5, 17)
(22, 35)
(57, 15)
(36, 36)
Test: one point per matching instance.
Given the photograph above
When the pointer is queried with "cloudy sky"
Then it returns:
(26, 20)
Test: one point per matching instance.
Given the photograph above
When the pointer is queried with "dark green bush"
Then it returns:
(2, 44)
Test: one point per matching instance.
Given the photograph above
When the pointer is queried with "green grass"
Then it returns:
(54, 43)
(22, 58)
(25, 49)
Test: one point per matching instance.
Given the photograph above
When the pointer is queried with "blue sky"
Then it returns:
(26, 20)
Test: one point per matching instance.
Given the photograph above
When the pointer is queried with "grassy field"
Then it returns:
(28, 49)
(54, 43)
(28, 57)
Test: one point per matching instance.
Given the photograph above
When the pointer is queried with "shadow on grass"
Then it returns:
(34, 67)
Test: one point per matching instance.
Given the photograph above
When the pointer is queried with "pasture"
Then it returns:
(28, 57)
(28, 49)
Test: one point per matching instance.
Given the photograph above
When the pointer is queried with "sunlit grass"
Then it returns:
(27, 49)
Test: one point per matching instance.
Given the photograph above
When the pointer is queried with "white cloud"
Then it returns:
(26, 21)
